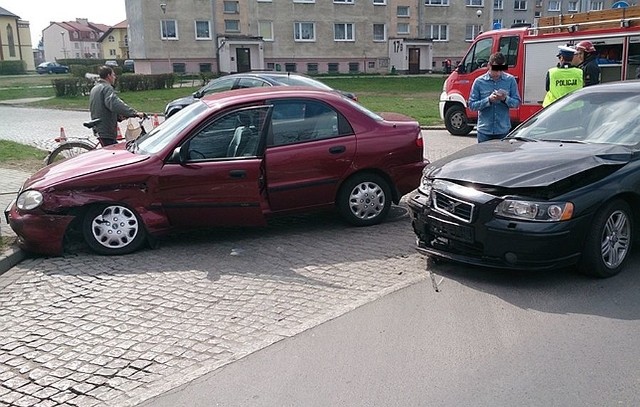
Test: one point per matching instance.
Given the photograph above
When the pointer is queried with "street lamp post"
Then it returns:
(164, 33)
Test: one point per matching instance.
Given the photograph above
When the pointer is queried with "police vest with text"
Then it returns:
(561, 82)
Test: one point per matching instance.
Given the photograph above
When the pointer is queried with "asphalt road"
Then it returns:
(309, 312)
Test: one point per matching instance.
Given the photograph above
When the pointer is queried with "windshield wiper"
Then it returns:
(565, 141)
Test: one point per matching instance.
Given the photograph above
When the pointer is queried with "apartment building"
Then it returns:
(15, 39)
(115, 42)
(320, 36)
(73, 39)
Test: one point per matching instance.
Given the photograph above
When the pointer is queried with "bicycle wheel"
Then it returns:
(68, 150)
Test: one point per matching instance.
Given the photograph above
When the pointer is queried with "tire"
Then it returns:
(68, 150)
(364, 199)
(456, 121)
(113, 229)
(609, 242)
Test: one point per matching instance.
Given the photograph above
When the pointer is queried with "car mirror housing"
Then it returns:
(197, 94)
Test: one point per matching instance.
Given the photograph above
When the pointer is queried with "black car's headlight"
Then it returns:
(426, 185)
(535, 210)
(28, 200)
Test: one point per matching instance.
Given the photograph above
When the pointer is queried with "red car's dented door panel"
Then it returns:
(214, 193)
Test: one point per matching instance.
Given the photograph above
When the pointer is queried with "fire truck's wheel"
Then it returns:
(455, 119)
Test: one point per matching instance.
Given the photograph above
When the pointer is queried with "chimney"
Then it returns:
(83, 21)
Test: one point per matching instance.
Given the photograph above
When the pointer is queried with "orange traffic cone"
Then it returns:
(155, 122)
(63, 136)
(119, 135)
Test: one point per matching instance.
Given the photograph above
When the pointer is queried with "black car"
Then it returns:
(248, 80)
(562, 189)
(51, 67)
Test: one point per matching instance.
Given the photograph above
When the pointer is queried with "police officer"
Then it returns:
(586, 59)
(562, 79)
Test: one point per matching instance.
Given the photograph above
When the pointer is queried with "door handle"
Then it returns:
(237, 173)
(337, 149)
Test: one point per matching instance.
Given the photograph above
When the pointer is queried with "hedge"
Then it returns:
(80, 86)
(13, 67)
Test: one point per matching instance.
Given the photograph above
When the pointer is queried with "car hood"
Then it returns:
(187, 100)
(91, 162)
(517, 164)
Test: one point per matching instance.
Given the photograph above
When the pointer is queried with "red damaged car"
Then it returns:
(232, 159)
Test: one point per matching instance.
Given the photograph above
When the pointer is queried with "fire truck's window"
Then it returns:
(478, 55)
(509, 48)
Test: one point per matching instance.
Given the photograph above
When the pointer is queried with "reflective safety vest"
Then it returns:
(561, 82)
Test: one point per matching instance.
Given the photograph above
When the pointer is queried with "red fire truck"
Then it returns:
(531, 51)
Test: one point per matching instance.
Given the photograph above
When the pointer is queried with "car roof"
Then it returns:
(249, 95)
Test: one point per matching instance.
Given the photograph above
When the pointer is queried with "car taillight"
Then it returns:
(419, 141)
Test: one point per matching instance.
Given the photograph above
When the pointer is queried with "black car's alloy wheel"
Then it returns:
(609, 242)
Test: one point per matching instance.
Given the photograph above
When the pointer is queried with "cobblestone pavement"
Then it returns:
(87, 330)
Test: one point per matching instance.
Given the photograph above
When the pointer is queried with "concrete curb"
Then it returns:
(10, 258)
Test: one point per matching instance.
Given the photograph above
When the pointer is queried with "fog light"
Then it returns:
(511, 258)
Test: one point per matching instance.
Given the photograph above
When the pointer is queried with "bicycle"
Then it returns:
(69, 148)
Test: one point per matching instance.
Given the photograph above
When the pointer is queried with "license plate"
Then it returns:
(450, 230)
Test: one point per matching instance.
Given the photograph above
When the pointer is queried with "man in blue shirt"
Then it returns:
(492, 95)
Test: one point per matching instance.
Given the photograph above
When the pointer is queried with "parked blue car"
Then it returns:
(51, 67)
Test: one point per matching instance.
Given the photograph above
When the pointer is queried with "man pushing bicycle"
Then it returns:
(105, 105)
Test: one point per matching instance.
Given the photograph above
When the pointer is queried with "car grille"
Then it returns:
(454, 207)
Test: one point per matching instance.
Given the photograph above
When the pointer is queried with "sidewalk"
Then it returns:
(10, 182)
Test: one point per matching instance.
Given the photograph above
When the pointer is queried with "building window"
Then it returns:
(519, 21)
(436, 2)
(498, 4)
(471, 31)
(343, 1)
(179, 67)
(343, 32)
(304, 31)
(265, 30)
(77, 45)
(312, 68)
(111, 38)
(379, 2)
(537, 14)
(497, 22)
(520, 5)
(168, 29)
(572, 6)
(596, 5)
(333, 67)
(371, 64)
(379, 32)
(474, 3)
(290, 67)
(112, 52)
(231, 7)
(205, 67)
(304, 1)
(354, 67)
(554, 5)
(232, 25)
(438, 32)
(403, 28)
(203, 30)
(402, 11)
